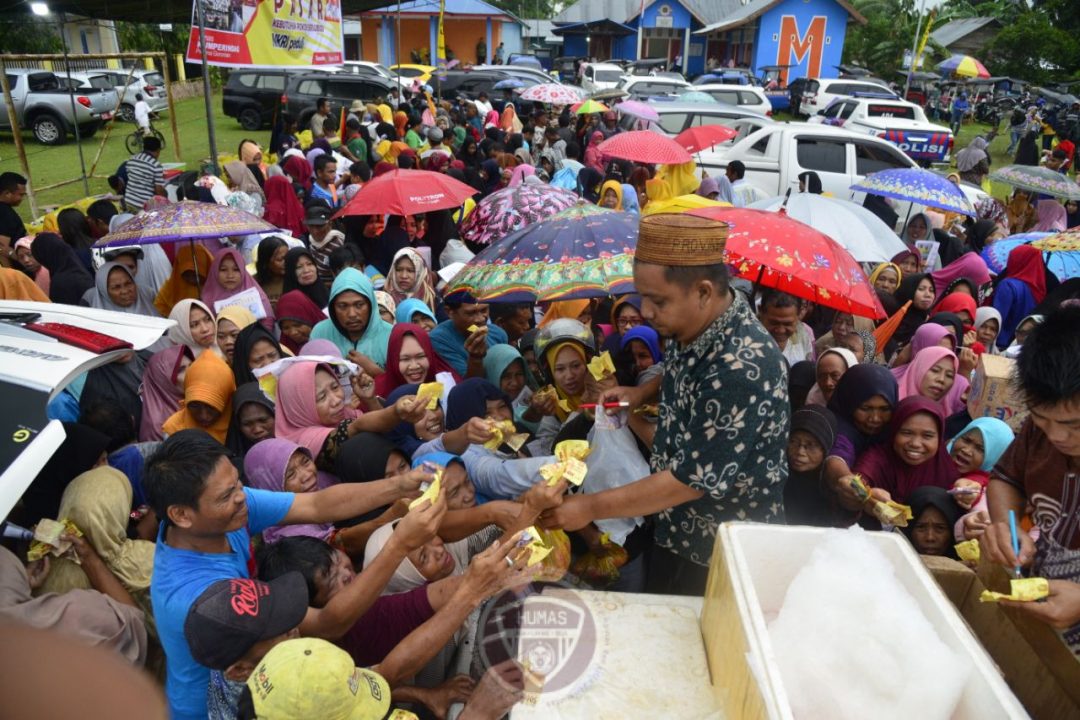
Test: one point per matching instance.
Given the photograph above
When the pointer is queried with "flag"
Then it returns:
(440, 59)
(923, 40)
(341, 126)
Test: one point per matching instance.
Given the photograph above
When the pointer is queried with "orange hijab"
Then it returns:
(15, 285)
(564, 309)
(189, 257)
(210, 381)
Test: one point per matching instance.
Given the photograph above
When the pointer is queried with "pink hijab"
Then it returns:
(593, 157)
(520, 173)
(213, 291)
(160, 397)
(969, 265)
(492, 120)
(295, 417)
(914, 372)
(1052, 216)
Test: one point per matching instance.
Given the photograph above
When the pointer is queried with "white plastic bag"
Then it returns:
(614, 461)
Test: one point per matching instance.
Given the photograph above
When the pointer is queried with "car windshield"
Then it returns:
(608, 76)
(893, 111)
(154, 79)
(382, 70)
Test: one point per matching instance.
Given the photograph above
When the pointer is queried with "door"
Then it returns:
(825, 156)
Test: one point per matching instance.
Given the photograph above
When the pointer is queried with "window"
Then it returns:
(312, 87)
(707, 119)
(42, 82)
(822, 155)
(655, 88)
(673, 122)
(731, 97)
(890, 111)
(154, 79)
(608, 76)
(833, 110)
(846, 109)
(272, 82)
(871, 157)
(101, 82)
(247, 79)
(761, 147)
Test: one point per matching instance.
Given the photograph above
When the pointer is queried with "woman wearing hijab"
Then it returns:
(231, 321)
(115, 289)
(1022, 287)
(611, 195)
(918, 288)
(828, 371)
(593, 157)
(934, 513)
(297, 316)
(302, 274)
(807, 500)
(195, 327)
(987, 327)
(408, 437)
(913, 454)
(640, 349)
(810, 182)
(969, 266)
(282, 466)
(408, 576)
(843, 325)
(934, 374)
(256, 347)
(491, 176)
(380, 251)
(960, 304)
(863, 403)
(417, 312)
(588, 184)
(410, 278)
(918, 228)
(470, 153)
(35, 270)
(69, 278)
(270, 267)
(208, 390)
(410, 360)
(630, 199)
(520, 173)
(932, 334)
(162, 389)
(982, 233)
(354, 323)
(625, 315)
(190, 270)
(242, 180)
(1051, 216)
(229, 278)
(283, 210)
(98, 502)
(976, 449)
(252, 420)
(580, 310)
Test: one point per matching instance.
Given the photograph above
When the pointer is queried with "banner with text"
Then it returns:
(268, 33)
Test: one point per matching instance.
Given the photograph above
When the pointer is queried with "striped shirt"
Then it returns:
(144, 174)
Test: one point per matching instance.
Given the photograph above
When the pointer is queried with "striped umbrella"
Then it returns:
(964, 66)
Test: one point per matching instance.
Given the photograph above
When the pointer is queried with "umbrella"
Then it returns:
(695, 96)
(964, 66)
(1037, 179)
(861, 232)
(504, 211)
(508, 84)
(551, 94)
(697, 138)
(917, 186)
(591, 107)
(407, 192)
(773, 250)
(644, 146)
(609, 94)
(582, 252)
(638, 110)
(680, 204)
(188, 220)
(1061, 251)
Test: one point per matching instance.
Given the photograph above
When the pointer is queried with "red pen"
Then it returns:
(593, 406)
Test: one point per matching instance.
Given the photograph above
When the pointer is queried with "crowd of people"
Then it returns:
(248, 479)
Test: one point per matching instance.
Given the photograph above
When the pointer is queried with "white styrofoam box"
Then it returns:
(753, 565)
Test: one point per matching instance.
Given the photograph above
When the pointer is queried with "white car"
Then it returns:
(148, 83)
(819, 93)
(642, 87)
(900, 122)
(600, 76)
(747, 97)
(373, 69)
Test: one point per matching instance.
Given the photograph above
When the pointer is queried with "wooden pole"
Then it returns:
(109, 125)
(172, 107)
(16, 131)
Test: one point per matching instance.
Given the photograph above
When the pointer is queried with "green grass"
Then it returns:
(49, 165)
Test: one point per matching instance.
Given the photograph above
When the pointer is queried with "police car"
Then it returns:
(902, 123)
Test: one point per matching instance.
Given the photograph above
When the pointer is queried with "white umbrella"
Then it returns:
(861, 232)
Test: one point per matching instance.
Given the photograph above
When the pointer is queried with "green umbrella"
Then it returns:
(591, 107)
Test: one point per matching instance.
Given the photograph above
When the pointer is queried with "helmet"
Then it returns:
(560, 331)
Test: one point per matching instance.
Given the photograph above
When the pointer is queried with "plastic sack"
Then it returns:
(557, 562)
(600, 567)
(614, 461)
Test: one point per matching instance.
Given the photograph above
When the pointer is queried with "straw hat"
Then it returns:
(681, 240)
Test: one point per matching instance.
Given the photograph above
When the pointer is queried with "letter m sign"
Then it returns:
(794, 47)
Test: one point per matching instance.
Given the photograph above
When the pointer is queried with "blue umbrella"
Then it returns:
(509, 84)
(1060, 253)
(917, 186)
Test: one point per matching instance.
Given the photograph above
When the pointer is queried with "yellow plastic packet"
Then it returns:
(1022, 590)
(477, 328)
(968, 551)
(600, 567)
(601, 366)
(431, 492)
(431, 393)
(577, 449)
(400, 714)
(504, 431)
(572, 469)
(547, 390)
(268, 384)
(892, 513)
(47, 539)
(538, 550)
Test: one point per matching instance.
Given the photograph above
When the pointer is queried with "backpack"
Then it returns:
(1018, 116)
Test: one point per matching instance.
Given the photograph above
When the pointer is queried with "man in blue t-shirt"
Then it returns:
(208, 519)
(461, 346)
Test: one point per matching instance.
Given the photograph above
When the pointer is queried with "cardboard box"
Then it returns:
(1038, 667)
(752, 567)
(992, 393)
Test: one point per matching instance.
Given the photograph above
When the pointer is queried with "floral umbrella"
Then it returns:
(1061, 251)
(1037, 179)
(512, 208)
(773, 250)
(582, 252)
(918, 186)
(551, 94)
(638, 109)
(188, 220)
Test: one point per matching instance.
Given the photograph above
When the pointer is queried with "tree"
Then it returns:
(889, 32)
(1034, 47)
(22, 33)
(146, 37)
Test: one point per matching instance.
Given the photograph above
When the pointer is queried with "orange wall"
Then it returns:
(461, 37)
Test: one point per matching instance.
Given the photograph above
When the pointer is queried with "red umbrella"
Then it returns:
(696, 139)
(773, 250)
(407, 192)
(644, 146)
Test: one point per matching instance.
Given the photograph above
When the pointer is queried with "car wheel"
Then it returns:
(126, 112)
(250, 119)
(88, 130)
(49, 130)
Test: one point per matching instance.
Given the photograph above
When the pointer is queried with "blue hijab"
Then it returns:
(469, 399)
(403, 435)
(409, 307)
(498, 358)
(997, 437)
(377, 333)
(646, 335)
(442, 459)
(629, 199)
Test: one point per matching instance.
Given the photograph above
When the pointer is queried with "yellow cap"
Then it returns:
(312, 678)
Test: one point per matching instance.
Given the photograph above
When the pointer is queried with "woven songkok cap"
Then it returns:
(681, 240)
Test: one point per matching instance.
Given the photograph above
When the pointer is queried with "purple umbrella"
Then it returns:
(504, 211)
(638, 110)
(188, 220)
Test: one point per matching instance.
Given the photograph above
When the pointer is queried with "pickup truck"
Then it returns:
(902, 123)
(43, 104)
